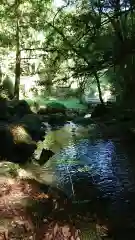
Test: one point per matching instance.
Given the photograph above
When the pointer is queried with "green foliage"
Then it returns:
(71, 44)
(55, 105)
(13, 170)
(9, 169)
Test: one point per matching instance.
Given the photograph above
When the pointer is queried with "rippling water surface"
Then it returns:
(103, 162)
(101, 168)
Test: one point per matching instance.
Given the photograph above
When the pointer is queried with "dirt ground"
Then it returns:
(27, 211)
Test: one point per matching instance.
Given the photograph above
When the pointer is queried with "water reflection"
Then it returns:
(105, 163)
(62, 137)
(98, 170)
(93, 170)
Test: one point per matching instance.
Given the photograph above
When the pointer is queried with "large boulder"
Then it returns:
(57, 120)
(99, 111)
(20, 108)
(44, 156)
(4, 114)
(34, 125)
(51, 108)
(16, 143)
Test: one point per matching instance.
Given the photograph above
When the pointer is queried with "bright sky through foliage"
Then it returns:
(58, 3)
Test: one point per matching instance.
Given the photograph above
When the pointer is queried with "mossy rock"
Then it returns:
(55, 107)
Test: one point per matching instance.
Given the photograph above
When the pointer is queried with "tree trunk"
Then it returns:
(18, 62)
(99, 88)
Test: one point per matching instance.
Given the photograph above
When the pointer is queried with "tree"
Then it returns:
(18, 55)
(104, 33)
(91, 37)
(20, 32)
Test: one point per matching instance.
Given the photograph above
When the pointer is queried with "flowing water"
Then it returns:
(88, 169)
(93, 170)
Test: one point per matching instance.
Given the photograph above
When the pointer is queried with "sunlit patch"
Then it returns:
(60, 138)
(47, 177)
(22, 173)
(62, 231)
(87, 115)
(58, 3)
(7, 180)
(17, 222)
(41, 196)
(19, 134)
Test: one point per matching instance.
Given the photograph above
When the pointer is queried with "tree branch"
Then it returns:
(108, 20)
(60, 9)
(41, 49)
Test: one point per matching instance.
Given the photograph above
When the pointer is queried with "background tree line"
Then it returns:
(80, 41)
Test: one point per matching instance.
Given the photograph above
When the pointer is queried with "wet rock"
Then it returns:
(57, 120)
(45, 155)
(71, 114)
(83, 121)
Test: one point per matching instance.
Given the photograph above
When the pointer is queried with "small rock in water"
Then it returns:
(45, 155)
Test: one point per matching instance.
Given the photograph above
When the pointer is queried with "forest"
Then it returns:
(76, 42)
(67, 119)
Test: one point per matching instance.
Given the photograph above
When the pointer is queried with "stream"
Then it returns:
(91, 169)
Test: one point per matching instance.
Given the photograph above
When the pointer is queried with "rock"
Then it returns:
(71, 114)
(34, 126)
(6, 140)
(57, 120)
(22, 108)
(16, 144)
(55, 107)
(83, 121)
(45, 155)
(99, 111)
(17, 109)
(24, 146)
(42, 110)
(3, 109)
(52, 108)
